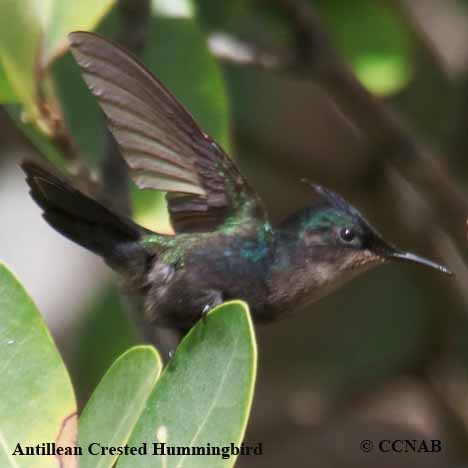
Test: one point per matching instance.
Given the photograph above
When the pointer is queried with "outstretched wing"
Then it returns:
(163, 146)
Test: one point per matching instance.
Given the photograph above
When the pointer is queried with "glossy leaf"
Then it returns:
(37, 403)
(205, 393)
(116, 404)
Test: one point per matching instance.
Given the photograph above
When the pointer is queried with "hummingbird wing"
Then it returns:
(163, 146)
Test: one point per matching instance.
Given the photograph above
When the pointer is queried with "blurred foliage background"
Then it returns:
(386, 357)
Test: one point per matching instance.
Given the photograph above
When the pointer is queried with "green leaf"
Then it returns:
(116, 404)
(373, 39)
(61, 17)
(20, 36)
(38, 35)
(36, 395)
(205, 393)
(7, 94)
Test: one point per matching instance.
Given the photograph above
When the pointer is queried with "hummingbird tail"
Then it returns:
(84, 220)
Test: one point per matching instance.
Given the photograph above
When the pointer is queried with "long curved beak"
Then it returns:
(409, 257)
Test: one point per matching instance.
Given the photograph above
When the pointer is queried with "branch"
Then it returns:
(134, 16)
(390, 139)
(440, 29)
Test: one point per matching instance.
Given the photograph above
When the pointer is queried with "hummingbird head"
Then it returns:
(335, 242)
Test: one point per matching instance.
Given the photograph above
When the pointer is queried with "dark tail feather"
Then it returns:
(82, 219)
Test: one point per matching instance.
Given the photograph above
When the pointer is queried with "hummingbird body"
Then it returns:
(224, 246)
(203, 270)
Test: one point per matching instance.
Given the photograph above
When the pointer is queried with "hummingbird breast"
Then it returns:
(211, 269)
(302, 276)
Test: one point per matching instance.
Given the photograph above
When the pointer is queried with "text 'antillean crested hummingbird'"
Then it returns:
(224, 246)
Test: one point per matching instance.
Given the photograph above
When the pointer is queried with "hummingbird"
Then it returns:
(224, 245)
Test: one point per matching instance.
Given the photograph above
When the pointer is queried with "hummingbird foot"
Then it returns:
(204, 312)
(214, 298)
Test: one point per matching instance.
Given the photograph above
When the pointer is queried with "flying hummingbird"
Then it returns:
(224, 246)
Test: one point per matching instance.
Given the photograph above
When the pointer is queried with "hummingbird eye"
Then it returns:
(347, 235)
